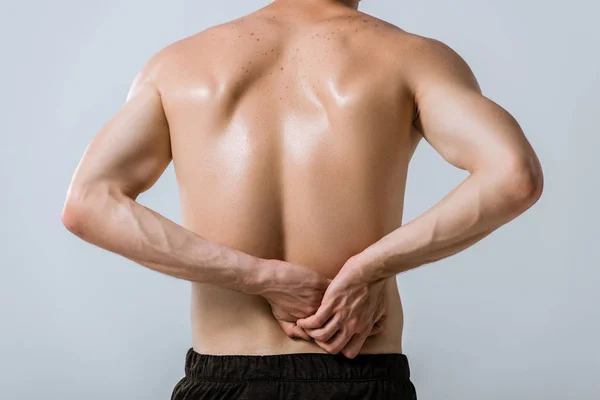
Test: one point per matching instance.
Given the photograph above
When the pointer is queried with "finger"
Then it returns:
(380, 326)
(377, 329)
(354, 345)
(287, 327)
(301, 333)
(336, 343)
(292, 330)
(381, 313)
(327, 331)
(382, 321)
(318, 319)
(322, 283)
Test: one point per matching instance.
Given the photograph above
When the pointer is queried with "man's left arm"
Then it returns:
(472, 133)
(469, 131)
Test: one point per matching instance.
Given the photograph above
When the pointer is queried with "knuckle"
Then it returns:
(322, 337)
(337, 324)
(307, 310)
(353, 324)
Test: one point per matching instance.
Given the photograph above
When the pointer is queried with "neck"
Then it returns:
(348, 3)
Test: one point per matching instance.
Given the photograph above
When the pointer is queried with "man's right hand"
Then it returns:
(294, 292)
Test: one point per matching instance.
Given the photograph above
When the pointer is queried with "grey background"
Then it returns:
(514, 317)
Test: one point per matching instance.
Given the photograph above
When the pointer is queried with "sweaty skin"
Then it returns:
(291, 130)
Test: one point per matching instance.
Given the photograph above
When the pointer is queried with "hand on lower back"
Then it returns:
(351, 310)
(295, 292)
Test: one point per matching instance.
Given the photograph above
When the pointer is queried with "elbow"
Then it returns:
(89, 207)
(75, 216)
(77, 213)
(522, 183)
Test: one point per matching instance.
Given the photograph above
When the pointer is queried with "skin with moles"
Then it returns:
(291, 130)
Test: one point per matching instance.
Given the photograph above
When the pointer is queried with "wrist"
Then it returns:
(366, 266)
(261, 277)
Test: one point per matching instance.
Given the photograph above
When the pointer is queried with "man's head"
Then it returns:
(349, 3)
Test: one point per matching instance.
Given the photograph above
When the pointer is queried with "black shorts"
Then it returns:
(313, 376)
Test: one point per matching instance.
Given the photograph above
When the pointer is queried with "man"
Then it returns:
(291, 131)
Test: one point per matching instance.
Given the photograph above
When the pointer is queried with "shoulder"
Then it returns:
(432, 60)
(211, 42)
(155, 67)
(173, 59)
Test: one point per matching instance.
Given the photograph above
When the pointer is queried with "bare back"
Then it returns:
(291, 134)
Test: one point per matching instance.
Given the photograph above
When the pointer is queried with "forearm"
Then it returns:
(119, 224)
(470, 212)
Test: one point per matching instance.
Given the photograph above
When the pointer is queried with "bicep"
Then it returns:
(466, 128)
(133, 148)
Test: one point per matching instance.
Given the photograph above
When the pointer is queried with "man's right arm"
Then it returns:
(126, 158)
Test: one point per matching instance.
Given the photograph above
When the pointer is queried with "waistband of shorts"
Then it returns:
(296, 366)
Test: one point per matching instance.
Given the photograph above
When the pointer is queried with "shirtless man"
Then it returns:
(291, 130)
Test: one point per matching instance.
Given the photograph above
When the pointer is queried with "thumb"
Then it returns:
(292, 330)
(318, 319)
